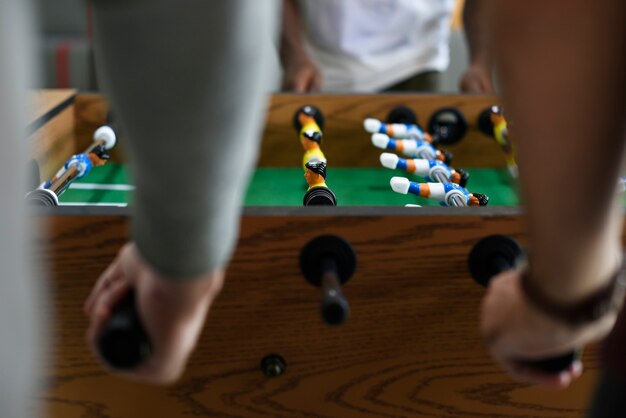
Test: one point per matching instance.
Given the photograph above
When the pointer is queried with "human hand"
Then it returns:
(301, 76)
(476, 79)
(516, 333)
(173, 311)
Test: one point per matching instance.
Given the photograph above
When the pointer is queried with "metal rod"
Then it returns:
(59, 186)
(335, 308)
(456, 200)
(441, 178)
(425, 155)
(330, 282)
(93, 146)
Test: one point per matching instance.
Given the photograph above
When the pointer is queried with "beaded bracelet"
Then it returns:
(593, 307)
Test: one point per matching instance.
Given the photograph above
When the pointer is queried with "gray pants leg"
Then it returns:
(20, 332)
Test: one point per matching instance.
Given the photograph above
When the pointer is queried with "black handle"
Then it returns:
(447, 126)
(123, 342)
(402, 114)
(493, 255)
(328, 261)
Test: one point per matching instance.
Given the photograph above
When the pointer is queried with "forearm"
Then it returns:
(291, 44)
(563, 90)
(188, 86)
(477, 33)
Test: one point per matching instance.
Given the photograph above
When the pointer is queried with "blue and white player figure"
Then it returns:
(81, 162)
(447, 194)
(414, 148)
(76, 167)
(432, 170)
(396, 130)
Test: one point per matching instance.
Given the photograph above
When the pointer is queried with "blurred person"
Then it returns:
(378, 45)
(20, 305)
(561, 69)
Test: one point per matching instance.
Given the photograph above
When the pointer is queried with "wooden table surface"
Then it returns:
(411, 347)
(44, 101)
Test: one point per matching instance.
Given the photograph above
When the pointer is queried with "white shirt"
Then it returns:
(367, 45)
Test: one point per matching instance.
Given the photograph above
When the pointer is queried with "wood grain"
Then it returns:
(51, 129)
(53, 143)
(410, 349)
(43, 101)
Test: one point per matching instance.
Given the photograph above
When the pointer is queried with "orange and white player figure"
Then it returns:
(431, 170)
(396, 130)
(307, 122)
(411, 148)
(447, 194)
(318, 193)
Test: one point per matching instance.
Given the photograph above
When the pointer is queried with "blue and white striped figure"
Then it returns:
(81, 162)
(409, 147)
(395, 130)
(433, 171)
(447, 194)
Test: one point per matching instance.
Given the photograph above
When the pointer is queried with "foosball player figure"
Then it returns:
(414, 148)
(492, 123)
(309, 122)
(318, 193)
(96, 157)
(76, 167)
(311, 142)
(396, 130)
(446, 126)
(432, 170)
(447, 194)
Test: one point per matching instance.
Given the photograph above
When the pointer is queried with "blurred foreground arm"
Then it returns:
(478, 76)
(187, 83)
(300, 74)
(561, 69)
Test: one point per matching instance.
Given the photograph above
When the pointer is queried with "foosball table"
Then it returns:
(405, 342)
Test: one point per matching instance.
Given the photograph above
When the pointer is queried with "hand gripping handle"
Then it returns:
(123, 342)
(493, 255)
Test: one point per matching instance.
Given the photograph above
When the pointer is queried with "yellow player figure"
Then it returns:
(493, 123)
(318, 193)
(307, 121)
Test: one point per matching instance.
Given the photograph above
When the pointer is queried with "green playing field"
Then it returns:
(111, 184)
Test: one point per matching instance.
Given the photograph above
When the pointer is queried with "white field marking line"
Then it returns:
(96, 186)
(119, 205)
